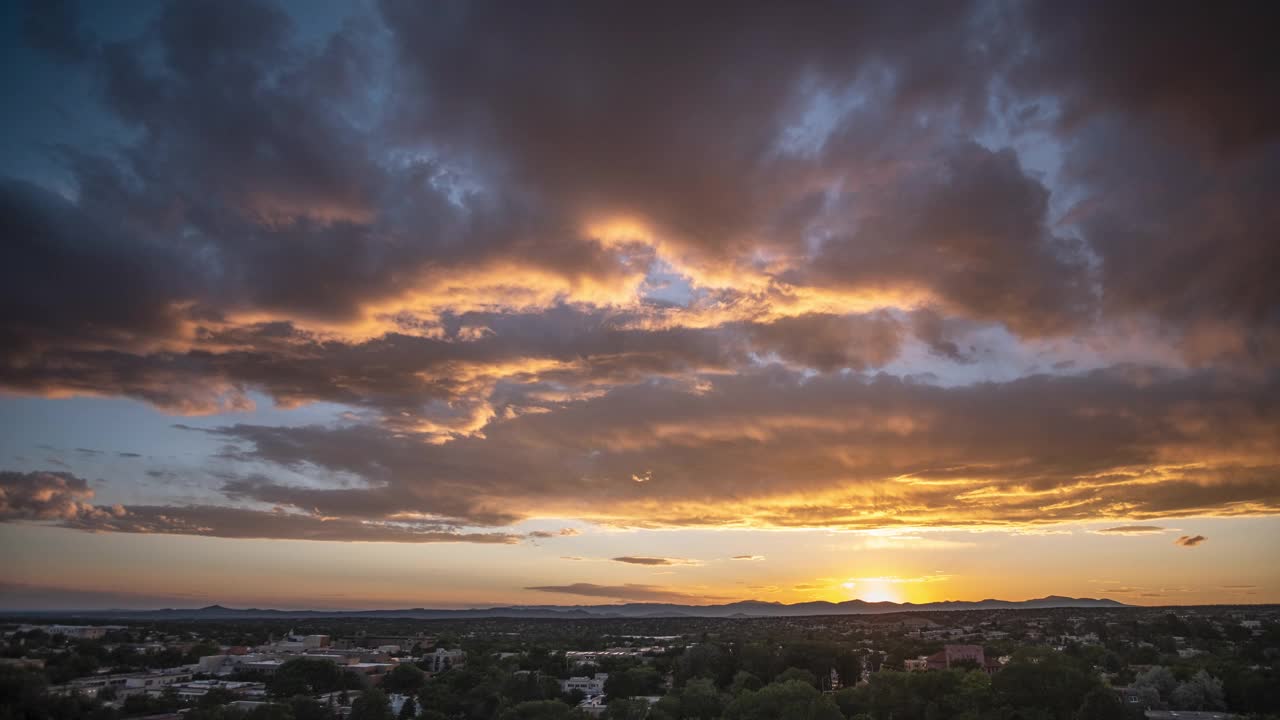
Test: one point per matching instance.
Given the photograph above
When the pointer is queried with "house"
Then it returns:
(589, 686)
(956, 654)
(960, 656)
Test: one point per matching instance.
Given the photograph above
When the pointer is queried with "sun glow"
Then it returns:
(873, 590)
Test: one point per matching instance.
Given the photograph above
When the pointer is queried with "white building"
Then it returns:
(589, 686)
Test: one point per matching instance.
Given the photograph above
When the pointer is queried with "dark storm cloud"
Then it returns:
(228, 522)
(64, 499)
(447, 217)
(830, 342)
(564, 349)
(878, 452)
(974, 230)
(686, 102)
(1205, 75)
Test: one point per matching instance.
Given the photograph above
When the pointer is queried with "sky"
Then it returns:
(398, 304)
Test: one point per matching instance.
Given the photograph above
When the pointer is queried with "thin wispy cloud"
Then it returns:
(654, 561)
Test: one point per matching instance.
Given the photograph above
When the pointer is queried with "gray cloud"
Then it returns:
(644, 560)
(1034, 450)
(629, 591)
(42, 496)
(411, 217)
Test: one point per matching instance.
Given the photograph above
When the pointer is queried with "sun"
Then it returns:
(873, 590)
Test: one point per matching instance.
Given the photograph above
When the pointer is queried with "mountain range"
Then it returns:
(743, 609)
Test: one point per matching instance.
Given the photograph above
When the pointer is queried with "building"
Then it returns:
(442, 660)
(154, 683)
(196, 689)
(24, 663)
(78, 632)
(960, 656)
(125, 684)
(312, 642)
(589, 686)
(917, 664)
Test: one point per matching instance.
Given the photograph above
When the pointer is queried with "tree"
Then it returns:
(744, 681)
(700, 700)
(371, 705)
(1049, 683)
(1158, 679)
(795, 673)
(1202, 692)
(633, 709)
(539, 710)
(793, 700)
(1104, 704)
(639, 680)
(305, 708)
(303, 676)
(404, 678)
(270, 711)
(408, 710)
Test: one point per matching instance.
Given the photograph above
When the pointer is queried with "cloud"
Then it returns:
(1190, 540)
(627, 592)
(926, 269)
(642, 560)
(61, 498)
(747, 557)
(1047, 450)
(42, 496)
(562, 532)
(895, 579)
(1131, 530)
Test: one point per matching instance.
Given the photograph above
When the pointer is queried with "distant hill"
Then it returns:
(743, 609)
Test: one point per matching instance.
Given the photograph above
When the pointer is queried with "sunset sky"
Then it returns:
(394, 304)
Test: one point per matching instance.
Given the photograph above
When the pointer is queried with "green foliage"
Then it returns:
(1047, 682)
(305, 708)
(744, 680)
(305, 677)
(1201, 692)
(634, 681)
(701, 700)
(371, 705)
(1104, 704)
(404, 678)
(791, 700)
(919, 696)
(800, 674)
(539, 710)
(634, 709)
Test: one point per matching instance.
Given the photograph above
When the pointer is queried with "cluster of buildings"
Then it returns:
(227, 669)
(75, 632)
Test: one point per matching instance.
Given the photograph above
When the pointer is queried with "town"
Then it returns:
(1191, 663)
